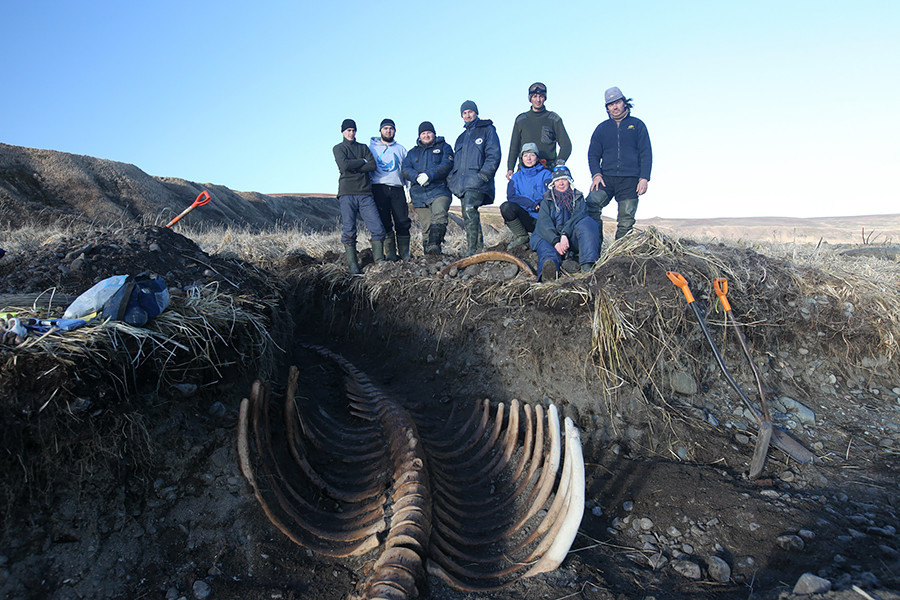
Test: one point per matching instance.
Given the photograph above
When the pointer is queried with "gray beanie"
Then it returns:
(468, 105)
(529, 147)
(613, 94)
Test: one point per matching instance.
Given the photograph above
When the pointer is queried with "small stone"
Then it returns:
(790, 542)
(657, 561)
(628, 506)
(806, 535)
(754, 526)
(153, 247)
(673, 532)
(742, 439)
(683, 382)
(201, 589)
(597, 511)
(687, 548)
(645, 524)
(217, 409)
(811, 584)
(719, 569)
(185, 389)
(686, 568)
(787, 476)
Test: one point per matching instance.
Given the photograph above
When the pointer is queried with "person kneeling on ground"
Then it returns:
(426, 167)
(564, 227)
(524, 193)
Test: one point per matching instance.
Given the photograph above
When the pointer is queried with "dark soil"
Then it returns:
(125, 488)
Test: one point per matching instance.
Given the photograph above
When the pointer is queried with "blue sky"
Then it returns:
(754, 108)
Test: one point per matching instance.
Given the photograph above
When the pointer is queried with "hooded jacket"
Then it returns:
(554, 222)
(476, 158)
(527, 186)
(355, 162)
(388, 158)
(436, 161)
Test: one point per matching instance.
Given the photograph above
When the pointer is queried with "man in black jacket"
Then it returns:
(355, 162)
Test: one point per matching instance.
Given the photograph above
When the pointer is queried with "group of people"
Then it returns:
(543, 209)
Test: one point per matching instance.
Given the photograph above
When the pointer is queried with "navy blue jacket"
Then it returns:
(621, 150)
(527, 186)
(476, 158)
(553, 222)
(435, 160)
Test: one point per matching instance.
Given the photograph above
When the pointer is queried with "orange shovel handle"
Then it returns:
(720, 287)
(202, 199)
(679, 280)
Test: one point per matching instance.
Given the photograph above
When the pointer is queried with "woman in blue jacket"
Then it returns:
(564, 228)
(426, 167)
(523, 196)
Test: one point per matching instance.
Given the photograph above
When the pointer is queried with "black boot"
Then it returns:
(352, 259)
(378, 252)
(474, 243)
(520, 234)
(549, 271)
(435, 239)
(390, 248)
(403, 247)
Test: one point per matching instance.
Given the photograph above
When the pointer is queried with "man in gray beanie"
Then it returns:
(355, 162)
(620, 159)
(476, 158)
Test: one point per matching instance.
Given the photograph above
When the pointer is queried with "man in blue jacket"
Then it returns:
(620, 159)
(476, 158)
(426, 167)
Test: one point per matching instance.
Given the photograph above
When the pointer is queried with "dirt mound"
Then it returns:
(47, 185)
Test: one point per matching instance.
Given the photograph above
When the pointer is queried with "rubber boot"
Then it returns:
(378, 252)
(520, 234)
(390, 248)
(352, 259)
(473, 235)
(549, 271)
(403, 247)
(587, 267)
(435, 239)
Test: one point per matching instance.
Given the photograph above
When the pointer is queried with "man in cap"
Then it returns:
(426, 167)
(523, 196)
(476, 158)
(387, 189)
(355, 162)
(541, 127)
(620, 159)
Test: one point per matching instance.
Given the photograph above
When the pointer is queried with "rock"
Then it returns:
(806, 535)
(628, 506)
(673, 532)
(811, 584)
(790, 542)
(657, 561)
(719, 569)
(217, 409)
(801, 412)
(185, 389)
(687, 569)
(201, 589)
(154, 247)
(597, 511)
(644, 524)
(683, 382)
(742, 439)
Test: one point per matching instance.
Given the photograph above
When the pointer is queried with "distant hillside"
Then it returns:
(45, 184)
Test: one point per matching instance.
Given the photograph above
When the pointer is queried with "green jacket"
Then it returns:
(355, 162)
(545, 128)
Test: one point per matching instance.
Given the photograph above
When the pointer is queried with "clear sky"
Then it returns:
(754, 108)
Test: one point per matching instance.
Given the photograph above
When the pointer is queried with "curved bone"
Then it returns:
(485, 257)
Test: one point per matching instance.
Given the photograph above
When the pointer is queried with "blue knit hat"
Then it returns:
(468, 105)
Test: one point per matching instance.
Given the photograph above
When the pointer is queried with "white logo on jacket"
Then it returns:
(479, 140)
(436, 151)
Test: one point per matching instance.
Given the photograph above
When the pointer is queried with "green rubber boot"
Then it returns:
(352, 259)
(378, 252)
(403, 247)
(390, 248)
(474, 243)
(520, 234)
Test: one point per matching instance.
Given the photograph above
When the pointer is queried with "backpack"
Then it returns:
(133, 299)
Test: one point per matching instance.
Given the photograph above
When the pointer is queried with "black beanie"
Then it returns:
(468, 105)
(386, 122)
(426, 126)
(348, 124)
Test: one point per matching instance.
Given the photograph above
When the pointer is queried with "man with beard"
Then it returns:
(620, 159)
(476, 158)
(541, 127)
(355, 162)
(387, 189)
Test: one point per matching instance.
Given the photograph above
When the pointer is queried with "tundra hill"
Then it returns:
(47, 185)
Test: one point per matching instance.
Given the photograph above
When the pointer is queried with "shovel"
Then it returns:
(720, 287)
(202, 199)
(779, 438)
